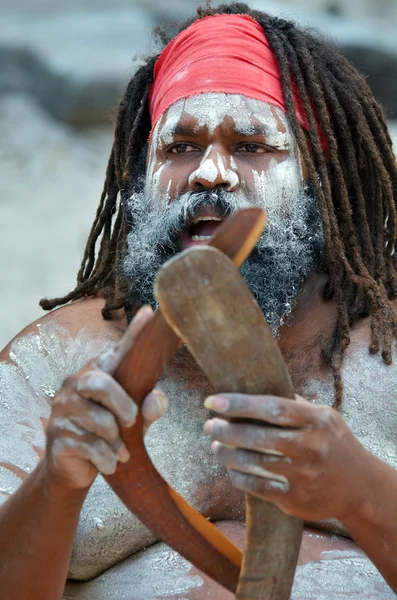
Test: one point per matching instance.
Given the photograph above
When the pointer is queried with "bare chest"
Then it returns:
(369, 401)
(179, 449)
(181, 452)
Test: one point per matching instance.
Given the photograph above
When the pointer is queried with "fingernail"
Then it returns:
(218, 403)
(123, 455)
(208, 427)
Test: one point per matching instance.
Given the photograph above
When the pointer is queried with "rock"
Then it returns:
(74, 59)
(51, 179)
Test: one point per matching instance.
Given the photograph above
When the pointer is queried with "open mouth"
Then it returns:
(200, 231)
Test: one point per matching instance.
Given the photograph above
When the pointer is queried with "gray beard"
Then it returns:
(289, 250)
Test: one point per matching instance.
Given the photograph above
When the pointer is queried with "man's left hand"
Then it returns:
(297, 455)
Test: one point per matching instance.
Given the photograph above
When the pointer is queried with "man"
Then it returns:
(240, 109)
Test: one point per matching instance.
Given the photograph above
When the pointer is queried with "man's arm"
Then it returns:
(374, 525)
(38, 522)
(320, 471)
(37, 527)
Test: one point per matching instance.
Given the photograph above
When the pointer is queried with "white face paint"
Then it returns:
(210, 170)
(207, 169)
(227, 174)
(276, 186)
(272, 188)
(210, 111)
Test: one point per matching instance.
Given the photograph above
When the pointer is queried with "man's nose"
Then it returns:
(213, 172)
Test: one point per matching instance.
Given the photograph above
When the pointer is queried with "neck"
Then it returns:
(311, 326)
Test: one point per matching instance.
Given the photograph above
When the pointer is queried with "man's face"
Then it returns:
(208, 156)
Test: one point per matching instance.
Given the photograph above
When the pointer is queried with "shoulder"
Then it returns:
(366, 371)
(360, 335)
(73, 321)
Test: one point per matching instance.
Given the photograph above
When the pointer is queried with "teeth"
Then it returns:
(206, 219)
(201, 238)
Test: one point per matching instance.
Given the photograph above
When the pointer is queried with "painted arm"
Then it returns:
(38, 521)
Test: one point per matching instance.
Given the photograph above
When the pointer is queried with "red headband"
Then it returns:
(222, 53)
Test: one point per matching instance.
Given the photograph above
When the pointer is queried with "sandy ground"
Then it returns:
(50, 182)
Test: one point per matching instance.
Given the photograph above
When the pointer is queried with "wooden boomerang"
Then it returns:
(207, 303)
(137, 483)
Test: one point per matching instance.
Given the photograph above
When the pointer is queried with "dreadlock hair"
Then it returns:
(355, 184)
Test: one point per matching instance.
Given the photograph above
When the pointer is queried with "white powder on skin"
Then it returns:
(210, 111)
(207, 169)
(181, 452)
(107, 532)
(42, 361)
(227, 174)
(276, 186)
(338, 576)
(165, 575)
(369, 406)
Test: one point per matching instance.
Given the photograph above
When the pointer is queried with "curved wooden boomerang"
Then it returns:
(138, 483)
(208, 304)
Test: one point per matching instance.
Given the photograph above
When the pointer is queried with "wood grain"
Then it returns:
(207, 303)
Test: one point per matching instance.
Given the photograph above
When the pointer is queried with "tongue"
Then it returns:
(204, 228)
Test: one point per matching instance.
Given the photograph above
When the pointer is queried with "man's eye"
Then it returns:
(252, 149)
(181, 149)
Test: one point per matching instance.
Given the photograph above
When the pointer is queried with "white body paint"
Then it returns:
(339, 575)
(207, 169)
(210, 110)
(107, 533)
(227, 174)
(41, 363)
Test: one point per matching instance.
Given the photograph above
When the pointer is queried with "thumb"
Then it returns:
(109, 360)
(153, 407)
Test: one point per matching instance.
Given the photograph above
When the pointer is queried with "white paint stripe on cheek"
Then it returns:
(277, 187)
(156, 182)
(168, 195)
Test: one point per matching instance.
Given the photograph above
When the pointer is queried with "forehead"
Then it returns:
(236, 113)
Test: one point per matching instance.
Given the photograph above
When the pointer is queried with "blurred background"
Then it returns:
(63, 65)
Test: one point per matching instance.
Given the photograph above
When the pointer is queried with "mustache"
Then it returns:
(166, 224)
(221, 203)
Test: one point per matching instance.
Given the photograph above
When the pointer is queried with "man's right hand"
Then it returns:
(83, 435)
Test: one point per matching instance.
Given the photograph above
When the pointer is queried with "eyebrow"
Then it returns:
(251, 130)
(183, 130)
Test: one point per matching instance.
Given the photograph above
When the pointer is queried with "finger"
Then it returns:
(267, 489)
(109, 361)
(86, 446)
(272, 409)
(102, 388)
(153, 407)
(253, 463)
(254, 437)
(97, 420)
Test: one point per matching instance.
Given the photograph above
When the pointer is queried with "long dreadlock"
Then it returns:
(355, 185)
